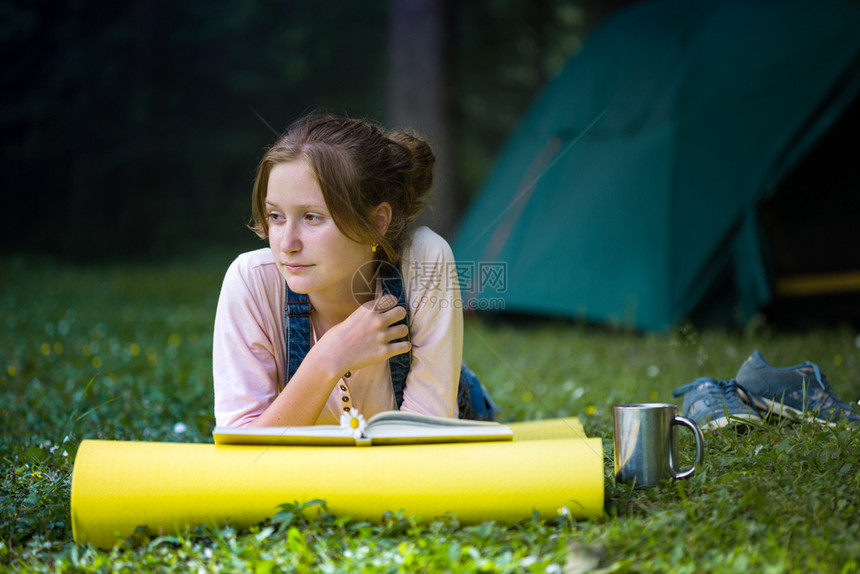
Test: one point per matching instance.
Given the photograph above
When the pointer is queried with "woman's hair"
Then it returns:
(358, 166)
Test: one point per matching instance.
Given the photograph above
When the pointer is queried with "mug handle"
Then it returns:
(700, 446)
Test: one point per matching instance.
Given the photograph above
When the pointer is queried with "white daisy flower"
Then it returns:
(354, 421)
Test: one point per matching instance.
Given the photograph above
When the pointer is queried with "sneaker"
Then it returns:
(792, 392)
(713, 404)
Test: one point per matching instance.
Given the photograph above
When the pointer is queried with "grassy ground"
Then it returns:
(124, 353)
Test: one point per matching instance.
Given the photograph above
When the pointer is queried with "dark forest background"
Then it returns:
(133, 129)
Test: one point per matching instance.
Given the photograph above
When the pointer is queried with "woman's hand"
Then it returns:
(362, 339)
(365, 337)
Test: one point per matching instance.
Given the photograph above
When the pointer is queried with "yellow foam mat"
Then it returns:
(118, 486)
(548, 429)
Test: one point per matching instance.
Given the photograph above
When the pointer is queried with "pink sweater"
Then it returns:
(249, 350)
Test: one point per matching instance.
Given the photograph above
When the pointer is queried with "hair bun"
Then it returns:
(420, 173)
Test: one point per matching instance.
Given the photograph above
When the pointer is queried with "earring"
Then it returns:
(373, 247)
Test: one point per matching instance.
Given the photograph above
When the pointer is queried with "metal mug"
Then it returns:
(646, 450)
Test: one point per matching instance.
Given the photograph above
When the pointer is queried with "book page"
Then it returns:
(393, 433)
(415, 419)
(389, 427)
(321, 435)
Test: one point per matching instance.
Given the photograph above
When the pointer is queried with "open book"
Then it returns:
(389, 427)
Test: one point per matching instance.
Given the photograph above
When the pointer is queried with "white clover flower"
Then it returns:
(354, 421)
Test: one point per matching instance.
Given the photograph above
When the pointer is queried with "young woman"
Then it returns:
(349, 307)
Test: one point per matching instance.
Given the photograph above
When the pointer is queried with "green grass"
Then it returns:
(124, 352)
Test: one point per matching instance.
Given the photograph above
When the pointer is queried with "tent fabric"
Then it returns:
(631, 188)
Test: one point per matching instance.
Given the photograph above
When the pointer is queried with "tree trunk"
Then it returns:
(420, 92)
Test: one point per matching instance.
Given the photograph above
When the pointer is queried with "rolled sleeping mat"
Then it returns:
(118, 486)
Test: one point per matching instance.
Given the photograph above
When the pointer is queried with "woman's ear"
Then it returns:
(380, 217)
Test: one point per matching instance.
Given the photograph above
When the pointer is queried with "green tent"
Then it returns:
(632, 191)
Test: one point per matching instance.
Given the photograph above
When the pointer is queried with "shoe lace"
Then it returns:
(684, 389)
(730, 394)
(830, 400)
(725, 391)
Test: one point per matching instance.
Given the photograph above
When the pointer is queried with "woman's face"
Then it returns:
(312, 254)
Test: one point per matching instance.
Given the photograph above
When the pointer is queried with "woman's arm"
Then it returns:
(437, 326)
(362, 339)
(247, 346)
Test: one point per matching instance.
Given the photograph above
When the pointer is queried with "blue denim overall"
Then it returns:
(473, 401)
